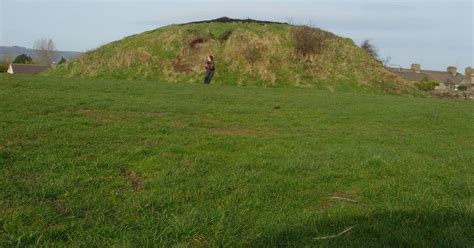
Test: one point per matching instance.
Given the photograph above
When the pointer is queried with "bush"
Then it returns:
(23, 59)
(62, 61)
(4, 68)
(462, 87)
(426, 85)
(308, 40)
(371, 49)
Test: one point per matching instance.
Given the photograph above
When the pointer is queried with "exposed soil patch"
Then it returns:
(60, 206)
(136, 181)
(195, 41)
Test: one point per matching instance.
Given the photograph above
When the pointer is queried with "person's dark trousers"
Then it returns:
(208, 76)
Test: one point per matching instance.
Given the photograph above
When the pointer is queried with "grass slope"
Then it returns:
(246, 54)
(111, 163)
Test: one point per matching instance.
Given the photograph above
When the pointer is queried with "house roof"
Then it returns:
(439, 76)
(28, 68)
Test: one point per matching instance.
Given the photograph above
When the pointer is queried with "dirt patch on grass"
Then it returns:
(137, 182)
(195, 41)
(324, 205)
(32, 179)
(60, 206)
(187, 164)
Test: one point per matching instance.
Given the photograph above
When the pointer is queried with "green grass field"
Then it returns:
(118, 163)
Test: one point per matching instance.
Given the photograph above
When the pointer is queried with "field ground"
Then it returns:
(119, 163)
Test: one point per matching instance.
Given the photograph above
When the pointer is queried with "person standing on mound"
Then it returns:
(210, 69)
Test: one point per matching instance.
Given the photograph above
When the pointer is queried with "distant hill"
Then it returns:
(247, 52)
(13, 51)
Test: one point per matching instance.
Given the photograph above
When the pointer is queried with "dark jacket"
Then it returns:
(210, 65)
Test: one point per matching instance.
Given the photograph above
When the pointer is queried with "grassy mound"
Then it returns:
(100, 163)
(247, 52)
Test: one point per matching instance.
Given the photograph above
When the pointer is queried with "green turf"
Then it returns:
(120, 163)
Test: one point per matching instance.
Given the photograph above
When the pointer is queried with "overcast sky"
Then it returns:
(431, 32)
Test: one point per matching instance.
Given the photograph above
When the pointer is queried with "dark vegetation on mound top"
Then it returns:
(231, 20)
(247, 52)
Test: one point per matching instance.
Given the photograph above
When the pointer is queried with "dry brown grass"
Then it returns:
(248, 52)
(126, 59)
(181, 65)
(308, 40)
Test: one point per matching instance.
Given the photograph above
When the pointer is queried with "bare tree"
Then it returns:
(8, 58)
(371, 49)
(45, 51)
(386, 61)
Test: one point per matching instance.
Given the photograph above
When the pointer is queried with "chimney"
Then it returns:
(468, 75)
(453, 70)
(416, 68)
